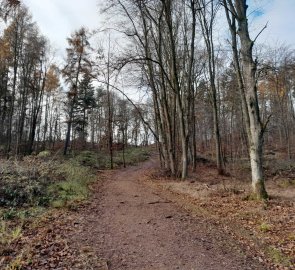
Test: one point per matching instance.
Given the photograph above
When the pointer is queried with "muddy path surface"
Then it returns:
(131, 226)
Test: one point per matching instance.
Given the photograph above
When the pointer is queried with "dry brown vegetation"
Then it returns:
(266, 228)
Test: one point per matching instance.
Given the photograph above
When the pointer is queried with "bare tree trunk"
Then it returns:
(123, 150)
(11, 109)
(69, 127)
(110, 115)
(45, 122)
(37, 102)
(206, 13)
(180, 102)
(255, 128)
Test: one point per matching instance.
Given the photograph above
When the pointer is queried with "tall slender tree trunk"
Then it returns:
(110, 115)
(256, 130)
(69, 127)
(248, 88)
(11, 109)
(45, 122)
(207, 32)
(218, 152)
(180, 104)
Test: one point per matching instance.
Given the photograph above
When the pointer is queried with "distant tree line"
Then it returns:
(37, 112)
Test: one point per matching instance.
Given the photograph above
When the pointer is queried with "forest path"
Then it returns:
(132, 226)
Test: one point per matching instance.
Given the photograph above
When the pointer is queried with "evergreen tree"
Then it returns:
(85, 102)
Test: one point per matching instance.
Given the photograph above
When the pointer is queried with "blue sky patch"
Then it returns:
(258, 13)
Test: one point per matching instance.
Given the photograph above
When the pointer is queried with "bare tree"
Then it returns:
(246, 68)
(207, 11)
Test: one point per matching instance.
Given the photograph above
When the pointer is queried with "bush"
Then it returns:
(101, 160)
(36, 181)
(88, 158)
(265, 227)
(133, 155)
(21, 186)
(278, 257)
(44, 154)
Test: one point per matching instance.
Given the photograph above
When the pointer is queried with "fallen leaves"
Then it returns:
(45, 245)
(256, 226)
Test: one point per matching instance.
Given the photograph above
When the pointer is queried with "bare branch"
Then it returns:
(260, 32)
(132, 103)
(264, 126)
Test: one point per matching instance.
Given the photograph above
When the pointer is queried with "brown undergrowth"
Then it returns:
(266, 229)
(44, 245)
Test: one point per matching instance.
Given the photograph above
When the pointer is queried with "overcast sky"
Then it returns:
(57, 19)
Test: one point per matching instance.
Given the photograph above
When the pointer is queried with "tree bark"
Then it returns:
(248, 88)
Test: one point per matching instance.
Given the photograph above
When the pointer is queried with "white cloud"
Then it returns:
(280, 16)
(57, 19)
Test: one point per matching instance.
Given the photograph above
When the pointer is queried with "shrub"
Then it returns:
(44, 154)
(101, 160)
(7, 235)
(278, 257)
(133, 155)
(87, 158)
(20, 186)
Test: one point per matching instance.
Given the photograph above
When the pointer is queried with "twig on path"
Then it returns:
(155, 202)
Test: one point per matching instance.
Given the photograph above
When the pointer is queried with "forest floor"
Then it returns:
(133, 226)
(137, 218)
(266, 230)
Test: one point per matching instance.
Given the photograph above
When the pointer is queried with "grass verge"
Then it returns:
(101, 160)
(30, 189)
(41, 187)
(74, 188)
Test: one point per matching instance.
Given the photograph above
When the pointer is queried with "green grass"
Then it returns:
(101, 160)
(89, 158)
(20, 214)
(278, 257)
(133, 155)
(31, 187)
(74, 188)
(16, 264)
(265, 227)
(78, 173)
(8, 235)
(44, 154)
(285, 183)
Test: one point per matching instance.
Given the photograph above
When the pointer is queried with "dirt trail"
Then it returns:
(132, 227)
